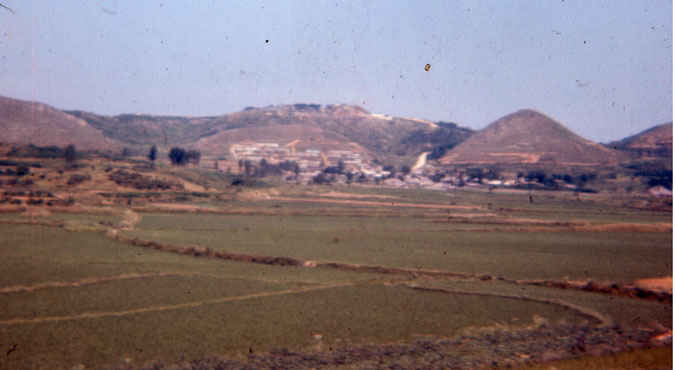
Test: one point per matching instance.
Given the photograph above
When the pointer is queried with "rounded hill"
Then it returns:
(529, 137)
(656, 141)
(24, 122)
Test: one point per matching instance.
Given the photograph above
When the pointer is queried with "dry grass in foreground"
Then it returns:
(649, 358)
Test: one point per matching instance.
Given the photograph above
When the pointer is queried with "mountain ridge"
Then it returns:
(525, 136)
(334, 126)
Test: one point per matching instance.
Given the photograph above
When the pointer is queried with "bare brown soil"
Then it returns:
(663, 284)
(605, 287)
(526, 137)
(26, 122)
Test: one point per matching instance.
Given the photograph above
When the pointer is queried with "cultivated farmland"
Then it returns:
(276, 280)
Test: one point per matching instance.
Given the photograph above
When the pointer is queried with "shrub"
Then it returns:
(437, 152)
(243, 180)
(78, 179)
(180, 156)
(437, 177)
(475, 173)
(70, 154)
(177, 156)
(22, 170)
(152, 154)
(36, 151)
(332, 170)
(537, 176)
(138, 181)
(321, 179)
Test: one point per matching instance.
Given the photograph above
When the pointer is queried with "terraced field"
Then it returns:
(393, 286)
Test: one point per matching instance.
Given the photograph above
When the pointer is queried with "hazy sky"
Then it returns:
(603, 68)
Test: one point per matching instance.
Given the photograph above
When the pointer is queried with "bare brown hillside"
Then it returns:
(308, 126)
(656, 141)
(529, 137)
(24, 122)
(295, 136)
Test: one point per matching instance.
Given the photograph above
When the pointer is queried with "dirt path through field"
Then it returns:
(95, 315)
(78, 283)
(129, 220)
(337, 194)
(374, 203)
(605, 321)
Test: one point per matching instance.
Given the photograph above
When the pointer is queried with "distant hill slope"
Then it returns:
(656, 141)
(334, 127)
(24, 122)
(390, 139)
(145, 129)
(529, 137)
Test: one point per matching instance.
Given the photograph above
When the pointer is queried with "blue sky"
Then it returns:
(603, 68)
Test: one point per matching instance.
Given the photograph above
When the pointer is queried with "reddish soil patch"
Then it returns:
(664, 284)
(608, 287)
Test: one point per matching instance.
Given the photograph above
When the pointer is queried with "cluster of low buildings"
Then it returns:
(313, 162)
(310, 161)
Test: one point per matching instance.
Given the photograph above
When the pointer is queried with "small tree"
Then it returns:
(177, 156)
(193, 156)
(248, 167)
(391, 170)
(70, 154)
(152, 155)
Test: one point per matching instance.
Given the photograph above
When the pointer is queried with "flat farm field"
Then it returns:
(419, 243)
(358, 279)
